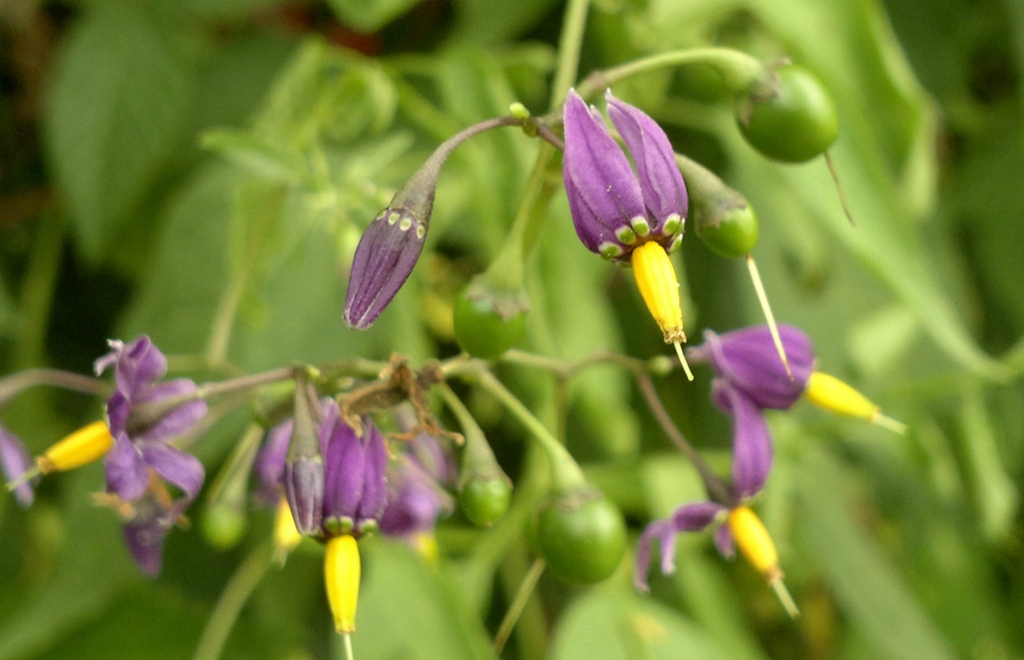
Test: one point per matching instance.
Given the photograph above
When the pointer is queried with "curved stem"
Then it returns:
(13, 384)
(526, 588)
(569, 44)
(232, 599)
(717, 489)
(741, 72)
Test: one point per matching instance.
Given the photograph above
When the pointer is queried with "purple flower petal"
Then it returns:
(383, 261)
(724, 542)
(752, 442)
(345, 475)
(304, 489)
(375, 485)
(127, 473)
(695, 517)
(145, 540)
(662, 185)
(687, 518)
(748, 360)
(177, 467)
(269, 464)
(137, 364)
(604, 193)
(15, 461)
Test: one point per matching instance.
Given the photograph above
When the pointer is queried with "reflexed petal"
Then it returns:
(137, 364)
(604, 193)
(383, 261)
(751, 440)
(119, 409)
(748, 360)
(666, 535)
(662, 185)
(412, 509)
(177, 421)
(126, 470)
(345, 476)
(16, 461)
(375, 485)
(269, 464)
(145, 539)
(177, 467)
(724, 542)
(696, 517)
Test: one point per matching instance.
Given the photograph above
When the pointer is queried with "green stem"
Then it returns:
(515, 608)
(14, 384)
(569, 44)
(740, 71)
(565, 473)
(37, 293)
(232, 599)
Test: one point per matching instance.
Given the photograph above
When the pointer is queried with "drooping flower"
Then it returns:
(415, 496)
(143, 415)
(626, 215)
(16, 463)
(748, 361)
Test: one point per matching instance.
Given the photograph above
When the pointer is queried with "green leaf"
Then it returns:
(864, 583)
(370, 15)
(483, 22)
(995, 494)
(612, 623)
(119, 103)
(256, 155)
(434, 624)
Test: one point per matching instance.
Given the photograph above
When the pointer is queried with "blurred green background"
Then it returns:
(200, 170)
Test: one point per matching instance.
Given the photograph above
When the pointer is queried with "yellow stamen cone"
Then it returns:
(656, 280)
(341, 575)
(286, 535)
(834, 395)
(756, 545)
(83, 446)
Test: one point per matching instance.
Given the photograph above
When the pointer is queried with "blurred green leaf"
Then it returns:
(433, 622)
(120, 101)
(370, 15)
(482, 22)
(865, 584)
(255, 154)
(995, 494)
(612, 623)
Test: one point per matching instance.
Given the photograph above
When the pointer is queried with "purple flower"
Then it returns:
(748, 361)
(143, 415)
(15, 461)
(269, 463)
(752, 442)
(415, 497)
(615, 209)
(694, 517)
(384, 258)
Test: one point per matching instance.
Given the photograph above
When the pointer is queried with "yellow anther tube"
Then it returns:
(341, 575)
(286, 536)
(756, 545)
(83, 446)
(834, 395)
(656, 280)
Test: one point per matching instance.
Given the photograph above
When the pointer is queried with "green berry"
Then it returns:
(485, 500)
(795, 124)
(223, 526)
(481, 331)
(582, 536)
(731, 233)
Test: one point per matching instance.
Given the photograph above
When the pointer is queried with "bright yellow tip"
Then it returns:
(286, 536)
(425, 545)
(83, 446)
(341, 575)
(762, 297)
(832, 394)
(682, 360)
(754, 542)
(779, 587)
(656, 279)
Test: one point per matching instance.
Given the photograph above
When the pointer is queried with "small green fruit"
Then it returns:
(731, 233)
(582, 536)
(796, 124)
(223, 526)
(485, 500)
(481, 331)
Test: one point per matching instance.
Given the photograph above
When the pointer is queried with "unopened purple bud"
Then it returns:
(749, 361)
(383, 261)
(304, 489)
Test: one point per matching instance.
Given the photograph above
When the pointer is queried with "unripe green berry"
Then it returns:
(484, 500)
(796, 123)
(481, 331)
(582, 536)
(223, 526)
(731, 233)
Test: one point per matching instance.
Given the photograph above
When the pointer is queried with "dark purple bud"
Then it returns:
(15, 461)
(751, 440)
(604, 194)
(383, 261)
(748, 360)
(304, 489)
(663, 189)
